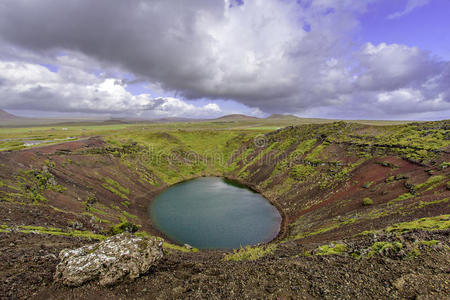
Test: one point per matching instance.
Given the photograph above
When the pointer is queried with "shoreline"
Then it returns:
(281, 232)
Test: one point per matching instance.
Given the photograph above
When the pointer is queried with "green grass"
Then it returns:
(117, 185)
(56, 231)
(424, 204)
(302, 172)
(402, 197)
(124, 226)
(367, 201)
(431, 183)
(115, 188)
(433, 223)
(429, 243)
(129, 216)
(250, 253)
(178, 248)
(86, 234)
(34, 183)
(331, 249)
(323, 229)
(380, 247)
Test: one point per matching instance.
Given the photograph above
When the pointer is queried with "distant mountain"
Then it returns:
(281, 117)
(5, 116)
(236, 117)
(175, 120)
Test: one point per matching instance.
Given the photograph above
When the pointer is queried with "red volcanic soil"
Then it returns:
(28, 260)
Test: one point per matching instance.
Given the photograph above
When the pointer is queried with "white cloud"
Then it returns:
(173, 107)
(410, 6)
(34, 87)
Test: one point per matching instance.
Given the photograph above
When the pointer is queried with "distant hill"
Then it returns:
(175, 120)
(236, 117)
(4, 116)
(282, 117)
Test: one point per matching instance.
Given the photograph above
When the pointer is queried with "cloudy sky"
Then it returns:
(353, 59)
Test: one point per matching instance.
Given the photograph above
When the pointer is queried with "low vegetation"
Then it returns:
(380, 247)
(53, 231)
(432, 223)
(331, 249)
(367, 201)
(250, 253)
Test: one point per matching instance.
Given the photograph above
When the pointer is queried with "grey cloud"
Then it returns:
(183, 45)
(256, 53)
(390, 67)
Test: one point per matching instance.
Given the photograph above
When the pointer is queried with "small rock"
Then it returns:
(270, 289)
(399, 283)
(77, 225)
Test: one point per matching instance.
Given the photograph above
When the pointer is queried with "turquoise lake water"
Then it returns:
(211, 212)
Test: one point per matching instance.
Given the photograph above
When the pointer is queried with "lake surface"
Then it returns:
(211, 212)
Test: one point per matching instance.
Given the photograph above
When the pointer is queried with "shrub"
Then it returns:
(367, 184)
(122, 227)
(367, 201)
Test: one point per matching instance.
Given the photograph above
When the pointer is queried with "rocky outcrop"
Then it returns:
(115, 259)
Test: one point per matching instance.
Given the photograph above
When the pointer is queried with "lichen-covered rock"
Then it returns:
(119, 257)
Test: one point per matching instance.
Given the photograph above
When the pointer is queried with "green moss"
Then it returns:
(388, 165)
(117, 185)
(96, 210)
(331, 249)
(317, 154)
(114, 191)
(115, 207)
(125, 226)
(367, 201)
(423, 203)
(324, 229)
(380, 247)
(415, 252)
(429, 243)
(125, 203)
(302, 148)
(433, 223)
(57, 231)
(178, 248)
(402, 197)
(91, 199)
(431, 183)
(33, 183)
(115, 188)
(166, 245)
(390, 179)
(250, 253)
(128, 215)
(301, 172)
(368, 184)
